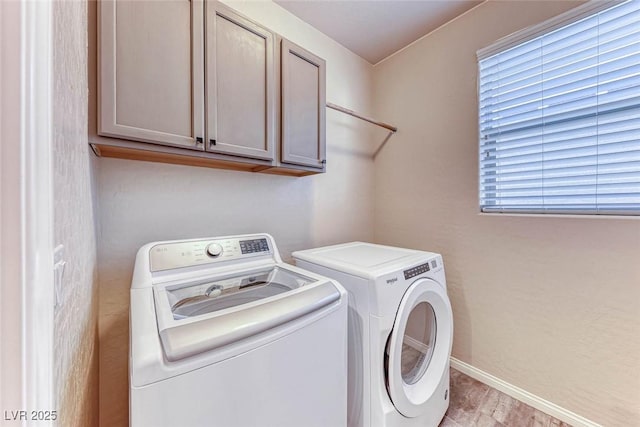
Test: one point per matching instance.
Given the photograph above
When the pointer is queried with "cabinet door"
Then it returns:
(239, 85)
(303, 106)
(151, 72)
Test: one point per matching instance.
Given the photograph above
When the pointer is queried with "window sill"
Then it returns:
(558, 215)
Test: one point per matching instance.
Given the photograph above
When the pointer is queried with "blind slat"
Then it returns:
(503, 72)
(592, 174)
(630, 166)
(603, 103)
(573, 35)
(563, 150)
(604, 123)
(600, 77)
(594, 187)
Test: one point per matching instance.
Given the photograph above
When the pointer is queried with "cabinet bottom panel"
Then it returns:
(192, 159)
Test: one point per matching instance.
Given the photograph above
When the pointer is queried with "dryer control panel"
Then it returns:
(416, 271)
(420, 269)
(170, 255)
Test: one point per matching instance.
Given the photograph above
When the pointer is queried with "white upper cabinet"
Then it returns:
(239, 84)
(151, 72)
(176, 74)
(303, 106)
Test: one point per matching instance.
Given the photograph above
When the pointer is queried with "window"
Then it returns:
(559, 115)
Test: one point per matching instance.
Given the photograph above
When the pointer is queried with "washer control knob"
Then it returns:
(214, 250)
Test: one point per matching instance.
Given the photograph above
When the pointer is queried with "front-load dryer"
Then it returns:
(400, 331)
(223, 333)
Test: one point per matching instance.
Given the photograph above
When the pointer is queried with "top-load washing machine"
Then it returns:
(400, 331)
(223, 333)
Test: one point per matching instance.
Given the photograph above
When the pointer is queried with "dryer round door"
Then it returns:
(419, 346)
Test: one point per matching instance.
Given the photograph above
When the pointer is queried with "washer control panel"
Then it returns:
(167, 256)
(215, 250)
(253, 246)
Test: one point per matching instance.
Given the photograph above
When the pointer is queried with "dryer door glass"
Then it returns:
(418, 342)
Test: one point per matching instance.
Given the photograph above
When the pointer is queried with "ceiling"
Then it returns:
(375, 29)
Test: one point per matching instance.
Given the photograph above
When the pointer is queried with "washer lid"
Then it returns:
(365, 260)
(202, 315)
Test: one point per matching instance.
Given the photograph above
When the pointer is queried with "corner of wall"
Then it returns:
(75, 221)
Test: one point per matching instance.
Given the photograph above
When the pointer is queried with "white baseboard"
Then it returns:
(523, 395)
(416, 344)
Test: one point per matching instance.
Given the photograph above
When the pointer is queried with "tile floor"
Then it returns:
(474, 404)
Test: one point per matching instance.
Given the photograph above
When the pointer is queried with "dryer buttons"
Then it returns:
(416, 271)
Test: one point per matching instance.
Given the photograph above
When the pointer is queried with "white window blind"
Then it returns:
(559, 119)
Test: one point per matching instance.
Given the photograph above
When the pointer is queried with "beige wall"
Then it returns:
(551, 305)
(75, 333)
(143, 202)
